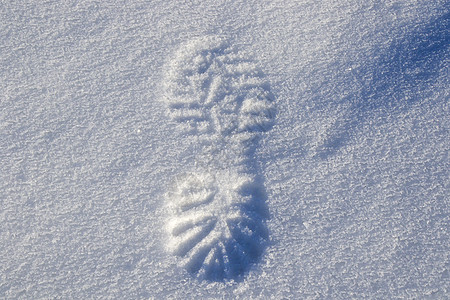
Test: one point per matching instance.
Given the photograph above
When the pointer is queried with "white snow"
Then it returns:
(355, 167)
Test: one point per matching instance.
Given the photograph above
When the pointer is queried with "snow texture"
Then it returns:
(130, 128)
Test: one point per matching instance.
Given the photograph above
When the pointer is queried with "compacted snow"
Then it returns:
(224, 149)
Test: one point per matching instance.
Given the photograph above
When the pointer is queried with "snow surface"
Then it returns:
(355, 168)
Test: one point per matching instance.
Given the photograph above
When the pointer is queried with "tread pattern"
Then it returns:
(216, 226)
(213, 89)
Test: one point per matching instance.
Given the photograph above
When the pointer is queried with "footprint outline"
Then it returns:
(221, 97)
